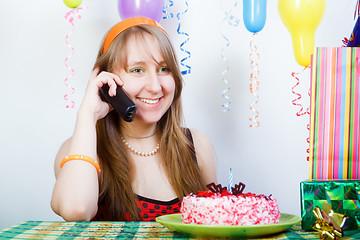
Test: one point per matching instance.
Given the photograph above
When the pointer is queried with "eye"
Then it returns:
(137, 70)
(164, 69)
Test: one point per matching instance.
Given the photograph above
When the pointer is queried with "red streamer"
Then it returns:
(294, 102)
(69, 16)
(308, 128)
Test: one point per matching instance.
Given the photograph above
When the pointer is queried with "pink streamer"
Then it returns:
(254, 84)
(69, 16)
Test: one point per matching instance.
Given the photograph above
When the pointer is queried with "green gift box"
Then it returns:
(343, 195)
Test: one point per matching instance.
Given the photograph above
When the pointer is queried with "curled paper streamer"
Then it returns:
(294, 102)
(69, 16)
(167, 14)
(232, 21)
(187, 53)
(226, 107)
(301, 112)
(254, 84)
(308, 128)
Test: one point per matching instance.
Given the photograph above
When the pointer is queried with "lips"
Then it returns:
(150, 101)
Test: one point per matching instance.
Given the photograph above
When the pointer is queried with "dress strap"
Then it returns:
(189, 135)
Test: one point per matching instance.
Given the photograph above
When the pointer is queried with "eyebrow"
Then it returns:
(142, 63)
(136, 63)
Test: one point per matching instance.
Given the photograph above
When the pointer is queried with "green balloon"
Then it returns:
(72, 3)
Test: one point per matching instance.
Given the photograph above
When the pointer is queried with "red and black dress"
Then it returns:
(150, 208)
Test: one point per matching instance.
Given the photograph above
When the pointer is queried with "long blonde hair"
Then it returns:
(176, 150)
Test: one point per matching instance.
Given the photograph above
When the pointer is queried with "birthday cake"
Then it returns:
(220, 207)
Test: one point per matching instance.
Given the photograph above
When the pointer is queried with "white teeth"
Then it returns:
(149, 101)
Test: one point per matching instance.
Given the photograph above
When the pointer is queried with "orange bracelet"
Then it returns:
(82, 158)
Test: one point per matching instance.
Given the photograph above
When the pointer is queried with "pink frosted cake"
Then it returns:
(219, 207)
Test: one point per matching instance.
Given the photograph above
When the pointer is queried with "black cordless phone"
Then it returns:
(120, 102)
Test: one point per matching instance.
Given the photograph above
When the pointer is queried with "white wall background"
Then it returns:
(270, 159)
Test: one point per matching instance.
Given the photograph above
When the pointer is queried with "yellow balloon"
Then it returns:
(301, 18)
(72, 3)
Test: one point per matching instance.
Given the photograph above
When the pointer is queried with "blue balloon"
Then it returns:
(254, 15)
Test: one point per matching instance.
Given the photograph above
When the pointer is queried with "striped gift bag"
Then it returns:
(334, 113)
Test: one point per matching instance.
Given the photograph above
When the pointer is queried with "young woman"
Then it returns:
(115, 170)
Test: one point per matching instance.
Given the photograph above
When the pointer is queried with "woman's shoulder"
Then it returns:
(203, 146)
(205, 155)
(199, 137)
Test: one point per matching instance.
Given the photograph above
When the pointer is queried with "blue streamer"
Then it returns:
(232, 21)
(168, 14)
(188, 54)
(226, 107)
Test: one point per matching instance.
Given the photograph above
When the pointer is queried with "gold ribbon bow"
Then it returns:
(328, 223)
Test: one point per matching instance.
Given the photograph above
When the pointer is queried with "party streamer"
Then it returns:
(69, 16)
(187, 53)
(308, 110)
(294, 102)
(254, 84)
(232, 21)
(226, 107)
(308, 128)
(167, 14)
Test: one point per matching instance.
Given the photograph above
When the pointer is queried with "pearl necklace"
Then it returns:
(139, 153)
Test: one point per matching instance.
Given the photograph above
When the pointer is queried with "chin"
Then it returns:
(150, 119)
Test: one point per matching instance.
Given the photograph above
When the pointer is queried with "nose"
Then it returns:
(153, 83)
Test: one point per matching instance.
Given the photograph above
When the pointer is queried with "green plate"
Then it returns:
(173, 222)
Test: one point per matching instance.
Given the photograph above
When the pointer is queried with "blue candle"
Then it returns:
(230, 180)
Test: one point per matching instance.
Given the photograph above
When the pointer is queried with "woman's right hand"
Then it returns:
(92, 103)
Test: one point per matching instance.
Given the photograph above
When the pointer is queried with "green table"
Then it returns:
(124, 230)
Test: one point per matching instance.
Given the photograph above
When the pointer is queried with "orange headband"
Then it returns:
(125, 24)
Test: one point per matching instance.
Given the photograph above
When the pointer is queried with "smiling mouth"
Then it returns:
(150, 101)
